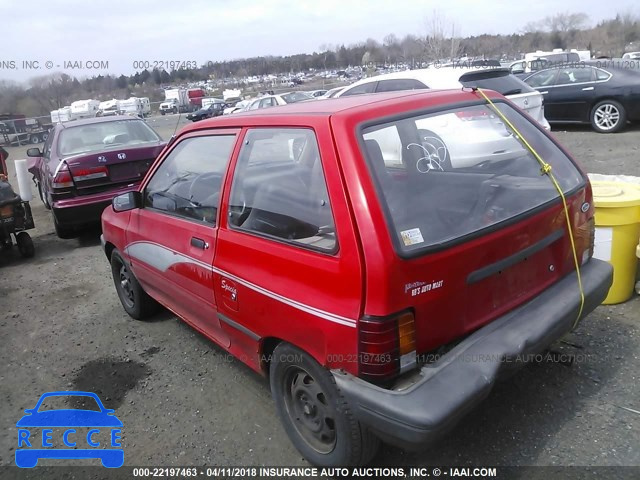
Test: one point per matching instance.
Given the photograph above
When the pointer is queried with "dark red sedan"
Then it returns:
(85, 163)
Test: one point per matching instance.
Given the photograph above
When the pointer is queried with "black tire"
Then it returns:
(45, 135)
(134, 299)
(314, 413)
(608, 116)
(175, 110)
(25, 245)
(162, 112)
(34, 139)
(62, 231)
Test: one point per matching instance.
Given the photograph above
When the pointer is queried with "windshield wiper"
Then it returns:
(512, 92)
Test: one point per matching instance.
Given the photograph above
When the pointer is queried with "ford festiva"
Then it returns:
(288, 238)
(85, 163)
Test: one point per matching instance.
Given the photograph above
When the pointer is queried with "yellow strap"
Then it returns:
(545, 168)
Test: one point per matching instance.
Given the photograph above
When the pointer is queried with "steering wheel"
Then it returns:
(205, 185)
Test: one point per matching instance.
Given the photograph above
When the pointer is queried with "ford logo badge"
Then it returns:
(585, 207)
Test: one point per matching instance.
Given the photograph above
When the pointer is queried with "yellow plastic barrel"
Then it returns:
(617, 220)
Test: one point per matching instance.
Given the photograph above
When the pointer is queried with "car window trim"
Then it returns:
(193, 134)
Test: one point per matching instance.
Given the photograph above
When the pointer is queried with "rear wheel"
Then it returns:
(608, 116)
(63, 231)
(34, 139)
(25, 245)
(314, 413)
(134, 299)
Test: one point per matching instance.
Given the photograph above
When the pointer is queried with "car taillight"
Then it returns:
(469, 115)
(387, 346)
(90, 173)
(63, 178)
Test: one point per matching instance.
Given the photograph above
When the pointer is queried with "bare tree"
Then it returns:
(440, 40)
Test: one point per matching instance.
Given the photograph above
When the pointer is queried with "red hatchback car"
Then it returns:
(85, 163)
(335, 246)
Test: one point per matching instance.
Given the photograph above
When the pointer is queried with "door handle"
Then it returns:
(199, 243)
(587, 88)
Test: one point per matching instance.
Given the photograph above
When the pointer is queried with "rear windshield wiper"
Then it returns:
(512, 92)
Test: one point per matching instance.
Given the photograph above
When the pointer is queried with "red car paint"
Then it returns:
(273, 291)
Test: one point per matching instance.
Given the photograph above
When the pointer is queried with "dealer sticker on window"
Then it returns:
(411, 237)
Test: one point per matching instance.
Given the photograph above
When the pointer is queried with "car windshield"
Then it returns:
(296, 97)
(95, 137)
(446, 175)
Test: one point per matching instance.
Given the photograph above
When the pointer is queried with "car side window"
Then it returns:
(279, 189)
(398, 84)
(567, 76)
(542, 79)
(46, 148)
(602, 75)
(360, 89)
(188, 182)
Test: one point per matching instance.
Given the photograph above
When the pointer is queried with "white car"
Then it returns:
(332, 93)
(241, 106)
(498, 79)
(631, 56)
(280, 99)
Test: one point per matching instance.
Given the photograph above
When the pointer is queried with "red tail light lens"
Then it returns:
(91, 173)
(386, 346)
(469, 115)
(63, 178)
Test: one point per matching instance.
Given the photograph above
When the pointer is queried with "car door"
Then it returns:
(283, 268)
(171, 240)
(572, 94)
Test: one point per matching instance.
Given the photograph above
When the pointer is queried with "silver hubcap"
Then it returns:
(607, 116)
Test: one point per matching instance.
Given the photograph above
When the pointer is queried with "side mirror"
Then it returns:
(127, 201)
(34, 152)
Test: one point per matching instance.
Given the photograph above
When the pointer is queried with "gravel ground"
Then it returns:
(184, 401)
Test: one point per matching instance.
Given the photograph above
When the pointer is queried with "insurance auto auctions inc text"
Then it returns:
(364, 472)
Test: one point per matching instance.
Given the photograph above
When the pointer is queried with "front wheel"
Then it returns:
(134, 299)
(314, 413)
(608, 116)
(25, 245)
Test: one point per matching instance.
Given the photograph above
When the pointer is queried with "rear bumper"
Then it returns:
(449, 388)
(86, 209)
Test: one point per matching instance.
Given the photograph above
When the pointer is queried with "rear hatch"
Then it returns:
(472, 240)
(503, 82)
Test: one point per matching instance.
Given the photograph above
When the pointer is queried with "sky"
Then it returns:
(63, 36)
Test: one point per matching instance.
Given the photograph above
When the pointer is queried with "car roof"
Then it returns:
(368, 104)
(92, 120)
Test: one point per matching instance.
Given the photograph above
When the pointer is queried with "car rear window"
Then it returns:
(94, 137)
(445, 176)
(501, 81)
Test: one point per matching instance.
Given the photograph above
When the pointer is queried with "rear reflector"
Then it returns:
(91, 173)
